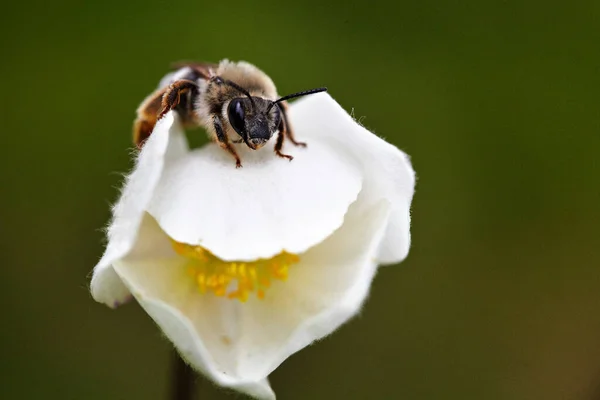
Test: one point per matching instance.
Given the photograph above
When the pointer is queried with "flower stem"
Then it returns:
(182, 379)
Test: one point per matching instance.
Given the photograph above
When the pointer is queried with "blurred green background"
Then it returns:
(496, 102)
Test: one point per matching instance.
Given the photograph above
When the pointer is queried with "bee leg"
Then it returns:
(224, 140)
(146, 117)
(288, 129)
(173, 93)
(279, 145)
(157, 105)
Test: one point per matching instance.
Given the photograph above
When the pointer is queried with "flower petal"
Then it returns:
(157, 277)
(325, 289)
(387, 171)
(182, 333)
(166, 142)
(257, 211)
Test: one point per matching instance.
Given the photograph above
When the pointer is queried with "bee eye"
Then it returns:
(277, 116)
(236, 115)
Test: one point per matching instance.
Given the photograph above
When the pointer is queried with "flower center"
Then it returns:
(234, 280)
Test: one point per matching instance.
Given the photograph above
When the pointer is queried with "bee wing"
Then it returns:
(202, 70)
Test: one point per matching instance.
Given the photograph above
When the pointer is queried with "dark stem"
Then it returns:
(182, 379)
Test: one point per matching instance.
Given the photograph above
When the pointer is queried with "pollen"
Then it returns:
(233, 280)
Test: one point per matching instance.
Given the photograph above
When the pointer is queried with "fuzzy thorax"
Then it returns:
(234, 280)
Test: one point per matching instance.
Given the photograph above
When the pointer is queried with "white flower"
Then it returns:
(243, 267)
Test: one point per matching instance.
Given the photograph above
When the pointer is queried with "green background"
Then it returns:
(496, 102)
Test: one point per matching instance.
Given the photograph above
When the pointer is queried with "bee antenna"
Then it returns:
(238, 88)
(299, 94)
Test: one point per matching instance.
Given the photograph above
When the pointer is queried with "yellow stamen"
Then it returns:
(233, 280)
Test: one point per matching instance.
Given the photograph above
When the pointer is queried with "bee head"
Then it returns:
(256, 119)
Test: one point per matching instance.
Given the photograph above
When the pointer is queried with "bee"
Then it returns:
(234, 101)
